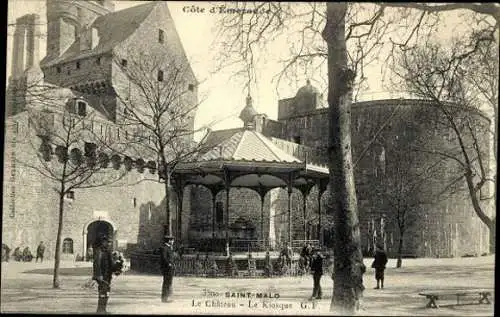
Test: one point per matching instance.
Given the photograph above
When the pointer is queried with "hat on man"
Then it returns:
(168, 237)
(102, 237)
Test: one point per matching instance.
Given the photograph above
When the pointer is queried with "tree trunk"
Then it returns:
(400, 251)
(493, 231)
(168, 222)
(57, 257)
(490, 223)
(348, 259)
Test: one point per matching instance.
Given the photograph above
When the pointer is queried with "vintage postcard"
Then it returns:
(250, 158)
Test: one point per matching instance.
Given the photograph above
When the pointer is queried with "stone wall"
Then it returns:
(133, 205)
(448, 227)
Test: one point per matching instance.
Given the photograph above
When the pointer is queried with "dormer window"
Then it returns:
(70, 195)
(161, 36)
(81, 108)
(124, 62)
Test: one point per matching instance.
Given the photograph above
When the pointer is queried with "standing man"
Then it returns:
(379, 265)
(40, 251)
(317, 271)
(103, 271)
(167, 267)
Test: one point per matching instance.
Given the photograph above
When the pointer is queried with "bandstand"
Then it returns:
(246, 158)
(241, 158)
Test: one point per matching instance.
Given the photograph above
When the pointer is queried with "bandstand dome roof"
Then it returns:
(253, 160)
(307, 90)
(249, 112)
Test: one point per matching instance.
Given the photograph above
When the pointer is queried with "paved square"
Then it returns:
(26, 287)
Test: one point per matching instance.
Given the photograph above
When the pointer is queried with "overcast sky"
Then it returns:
(223, 98)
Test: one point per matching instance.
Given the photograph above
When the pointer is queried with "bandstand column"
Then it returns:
(322, 184)
(263, 237)
(227, 183)
(320, 228)
(180, 194)
(179, 190)
(290, 191)
(214, 212)
(304, 206)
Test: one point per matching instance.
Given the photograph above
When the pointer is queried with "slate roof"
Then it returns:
(113, 28)
(218, 136)
(246, 145)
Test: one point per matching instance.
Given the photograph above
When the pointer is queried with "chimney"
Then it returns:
(32, 45)
(18, 48)
(94, 38)
(89, 38)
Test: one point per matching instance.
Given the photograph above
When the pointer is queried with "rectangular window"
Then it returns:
(191, 87)
(81, 108)
(58, 69)
(161, 36)
(160, 75)
(70, 195)
(67, 246)
(77, 65)
(124, 62)
(98, 61)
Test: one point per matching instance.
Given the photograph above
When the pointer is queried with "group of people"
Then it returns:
(106, 264)
(25, 255)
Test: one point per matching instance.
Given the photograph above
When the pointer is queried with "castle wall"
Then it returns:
(451, 227)
(134, 204)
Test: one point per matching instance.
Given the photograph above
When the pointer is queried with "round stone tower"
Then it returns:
(66, 19)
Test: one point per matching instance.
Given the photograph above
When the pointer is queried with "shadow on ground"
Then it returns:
(68, 271)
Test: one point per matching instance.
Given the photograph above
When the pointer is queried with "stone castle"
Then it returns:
(83, 39)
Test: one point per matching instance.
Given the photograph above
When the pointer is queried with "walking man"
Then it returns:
(379, 265)
(317, 272)
(167, 267)
(40, 251)
(103, 271)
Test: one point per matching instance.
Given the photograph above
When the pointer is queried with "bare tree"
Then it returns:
(62, 131)
(441, 75)
(410, 187)
(158, 102)
(353, 36)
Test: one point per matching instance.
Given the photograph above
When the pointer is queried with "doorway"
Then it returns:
(97, 228)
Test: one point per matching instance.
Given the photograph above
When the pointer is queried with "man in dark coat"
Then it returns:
(306, 253)
(268, 265)
(379, 265)
(27, 256)
(167, 266)
(18, 256)
(103, 271)
(40, 250)
(5, 252)
(286, 254)
(317, 272)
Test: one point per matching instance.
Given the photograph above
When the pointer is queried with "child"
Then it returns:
(379, 265)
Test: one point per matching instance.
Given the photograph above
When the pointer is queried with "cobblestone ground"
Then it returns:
(26, 288)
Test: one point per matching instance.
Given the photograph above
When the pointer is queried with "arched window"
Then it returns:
(219, 212)
(67, 246)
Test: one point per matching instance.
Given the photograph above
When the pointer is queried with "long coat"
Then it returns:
(103, 264)
(317, 265)
(167, 258)
(380, 260)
